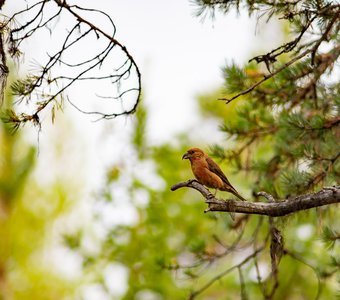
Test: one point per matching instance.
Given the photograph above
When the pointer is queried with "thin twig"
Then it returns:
(242, 284)
(302, 260)
(194, 294)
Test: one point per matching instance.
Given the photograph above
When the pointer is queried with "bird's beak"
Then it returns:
(186, 156)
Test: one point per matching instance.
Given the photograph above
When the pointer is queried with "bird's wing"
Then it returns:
(213, 167)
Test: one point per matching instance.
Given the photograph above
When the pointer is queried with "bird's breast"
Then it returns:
(206, 177)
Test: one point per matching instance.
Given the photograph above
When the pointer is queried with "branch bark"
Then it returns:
(3, 66)
(272, 208)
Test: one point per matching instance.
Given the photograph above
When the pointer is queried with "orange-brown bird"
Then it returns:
(208, 173)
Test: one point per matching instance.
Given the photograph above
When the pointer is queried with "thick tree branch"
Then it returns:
(275, 208)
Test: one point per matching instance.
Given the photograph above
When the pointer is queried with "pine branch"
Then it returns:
(266, 77)
(275, 207)
(270, 57)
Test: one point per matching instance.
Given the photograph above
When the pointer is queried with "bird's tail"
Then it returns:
(231, 189)
(237, 195)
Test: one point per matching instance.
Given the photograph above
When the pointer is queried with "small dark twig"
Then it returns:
(242, 284)
(324, 36)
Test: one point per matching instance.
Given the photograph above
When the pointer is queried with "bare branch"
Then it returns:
(279, 208)
(325, 34)
(108, 61)
(114, 42)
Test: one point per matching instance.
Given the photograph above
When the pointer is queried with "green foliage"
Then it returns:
(139, 134)
(213, 109)
(28, 212)
(330, 236)
(23, 87)
(235, 78)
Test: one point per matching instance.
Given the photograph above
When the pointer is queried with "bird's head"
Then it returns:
(193, 153)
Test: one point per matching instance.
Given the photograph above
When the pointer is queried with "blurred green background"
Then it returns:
(130, 237)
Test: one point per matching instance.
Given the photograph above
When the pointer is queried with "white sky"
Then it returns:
(179, 56)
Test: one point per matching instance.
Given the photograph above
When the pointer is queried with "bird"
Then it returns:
(208, 173)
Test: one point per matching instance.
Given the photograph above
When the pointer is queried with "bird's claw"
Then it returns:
(211, 197)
